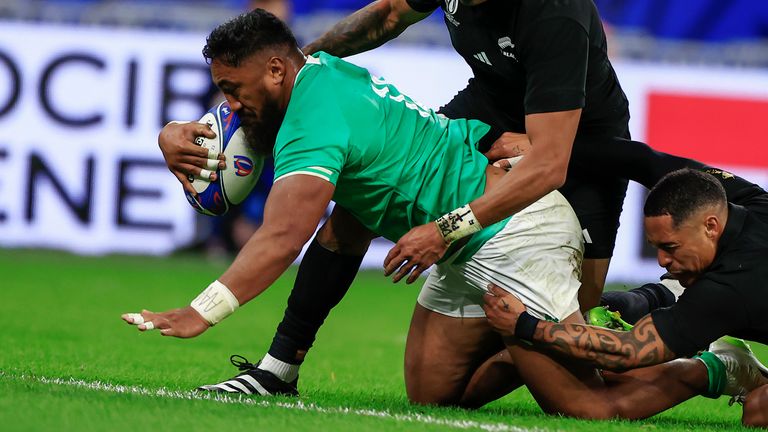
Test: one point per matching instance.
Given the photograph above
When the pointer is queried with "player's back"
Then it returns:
(395, 163)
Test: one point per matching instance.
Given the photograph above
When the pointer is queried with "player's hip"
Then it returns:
(537, 257)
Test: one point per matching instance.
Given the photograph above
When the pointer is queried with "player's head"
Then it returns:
(685, 214)
(245, 35)
(254, 59)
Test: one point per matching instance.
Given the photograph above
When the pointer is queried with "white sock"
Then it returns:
(285, 371)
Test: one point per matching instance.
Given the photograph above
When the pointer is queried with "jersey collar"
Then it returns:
(309, 61)
(733, 227)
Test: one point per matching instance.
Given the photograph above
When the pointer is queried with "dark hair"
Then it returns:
(242, 36)
(683, 192)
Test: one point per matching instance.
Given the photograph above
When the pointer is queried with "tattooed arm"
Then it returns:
(367, 28)
(605, 348)
(601, 347)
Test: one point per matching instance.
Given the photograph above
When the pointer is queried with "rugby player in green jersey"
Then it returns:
(337, 133)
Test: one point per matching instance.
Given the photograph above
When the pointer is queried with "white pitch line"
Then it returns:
(244, 400)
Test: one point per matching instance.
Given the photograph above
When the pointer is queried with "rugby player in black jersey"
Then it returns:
(710, 229)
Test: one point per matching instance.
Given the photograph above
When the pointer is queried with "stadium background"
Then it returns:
(86, 85)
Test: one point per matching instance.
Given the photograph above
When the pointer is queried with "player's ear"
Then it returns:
(713, 226)
(276, 69)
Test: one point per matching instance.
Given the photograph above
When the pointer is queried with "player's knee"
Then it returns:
(754, 412)
(424, 391)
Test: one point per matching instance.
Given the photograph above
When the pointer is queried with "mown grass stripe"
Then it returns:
(298, 405)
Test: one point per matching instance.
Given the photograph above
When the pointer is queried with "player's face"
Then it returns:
(685, 251)
(254, 92)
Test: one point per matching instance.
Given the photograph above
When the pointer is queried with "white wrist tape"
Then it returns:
(215, 303)
(176, 122)
(457, 224)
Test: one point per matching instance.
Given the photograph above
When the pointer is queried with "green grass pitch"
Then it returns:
(67, 361)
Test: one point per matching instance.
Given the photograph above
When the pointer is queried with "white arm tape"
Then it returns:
(215, 303)
(457, 224)
(176, 122)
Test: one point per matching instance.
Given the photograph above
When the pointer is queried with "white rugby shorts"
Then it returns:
(536, 256)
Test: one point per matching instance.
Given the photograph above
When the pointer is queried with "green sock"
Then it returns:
(715, 373)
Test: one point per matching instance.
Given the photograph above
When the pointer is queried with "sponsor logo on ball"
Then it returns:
(243, 165)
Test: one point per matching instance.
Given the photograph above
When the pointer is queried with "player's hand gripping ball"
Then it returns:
(243, 164)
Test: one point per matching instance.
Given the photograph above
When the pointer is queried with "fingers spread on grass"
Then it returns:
(133, 318)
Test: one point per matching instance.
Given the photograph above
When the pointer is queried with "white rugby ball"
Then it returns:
(243, 169)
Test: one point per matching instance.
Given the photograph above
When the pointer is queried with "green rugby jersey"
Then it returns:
(395, 164)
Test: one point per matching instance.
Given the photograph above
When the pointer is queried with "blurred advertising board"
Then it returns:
(82, 107)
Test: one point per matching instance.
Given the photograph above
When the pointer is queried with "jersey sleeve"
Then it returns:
(554, 53)
(320, 153)
(706, 311)
(424, 5)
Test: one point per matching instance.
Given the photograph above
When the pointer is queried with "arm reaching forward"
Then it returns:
(292, 213)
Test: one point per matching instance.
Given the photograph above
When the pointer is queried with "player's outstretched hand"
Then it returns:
(508, 145)
(415, 252)
(185, 158)
(182, 323)
(502, 309)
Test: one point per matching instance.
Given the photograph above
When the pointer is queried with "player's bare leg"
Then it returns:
(495, 378)
(569, 388)
(562, 386)
(644, 392)
(593, 274)
(442, 353)
(444, 366)
(756, 408)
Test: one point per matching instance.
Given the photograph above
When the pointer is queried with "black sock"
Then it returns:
(638, 302)
(322, 281)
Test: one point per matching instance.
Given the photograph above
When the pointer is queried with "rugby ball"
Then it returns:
(241, 173)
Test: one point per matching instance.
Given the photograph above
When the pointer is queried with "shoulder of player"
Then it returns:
(535, 12)
(745, 238)
(736, 271)
(318, 93)
(325, 80)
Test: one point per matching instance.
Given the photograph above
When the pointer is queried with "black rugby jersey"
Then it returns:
(536, 56)
(731, 297)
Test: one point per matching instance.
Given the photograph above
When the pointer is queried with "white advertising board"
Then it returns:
(81, 109)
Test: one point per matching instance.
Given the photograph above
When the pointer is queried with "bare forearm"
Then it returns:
(529, 180)
(365, 29)
(257, 266)
(541, 171)
(604, 348)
